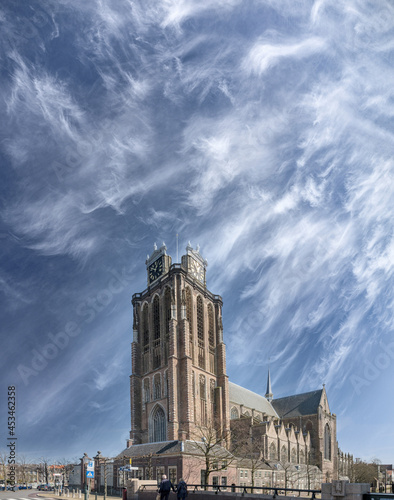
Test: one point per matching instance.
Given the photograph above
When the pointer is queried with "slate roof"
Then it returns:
(298, 405)
(139, 450)
(242, 396)
(170, 448)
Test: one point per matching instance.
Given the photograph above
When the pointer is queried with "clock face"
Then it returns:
(156, 269)
(197, 270)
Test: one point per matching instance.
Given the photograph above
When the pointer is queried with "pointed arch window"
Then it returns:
(194, 396)
(293, 456)
(211, 333)
(146, 391)
(272, 452)
(157, 425)
(200, 332)
(167, 302)
(156, 333)
(234, 413)
(211, 339)
(212, 398)
(156, 318)
(203, 400)
(327, 442)
(157, 386)
(283, 454)
(167, 307)
(165, 384)
(145, 337)
(189, 317)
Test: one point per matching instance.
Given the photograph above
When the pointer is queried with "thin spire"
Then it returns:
(269, 394)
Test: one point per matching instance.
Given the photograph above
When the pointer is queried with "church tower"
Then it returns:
(179, 382)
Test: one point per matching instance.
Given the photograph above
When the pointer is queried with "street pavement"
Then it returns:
(36, 495)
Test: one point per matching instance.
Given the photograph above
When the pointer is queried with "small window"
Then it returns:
(224, 483)
(159, 472)
(172, 474)
(234, 413)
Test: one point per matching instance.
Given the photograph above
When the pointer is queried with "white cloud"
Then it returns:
(264, 56)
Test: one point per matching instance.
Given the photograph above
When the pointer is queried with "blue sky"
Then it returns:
(260, 130)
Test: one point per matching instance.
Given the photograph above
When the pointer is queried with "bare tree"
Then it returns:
(66, 468)
(250, 449)
(289, 472)
(43, 468)
(212, 448)
(23, 469)
(367, 472)
(3, 466)
(311, 471)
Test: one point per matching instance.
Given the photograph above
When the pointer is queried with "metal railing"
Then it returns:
(232, 488)
(378, 496)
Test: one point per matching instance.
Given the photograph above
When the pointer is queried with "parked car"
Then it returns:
(44, 487)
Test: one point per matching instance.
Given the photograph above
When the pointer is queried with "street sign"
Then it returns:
(90, 465)
(90, 473)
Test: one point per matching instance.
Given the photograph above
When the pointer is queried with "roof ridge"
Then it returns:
(298, 395)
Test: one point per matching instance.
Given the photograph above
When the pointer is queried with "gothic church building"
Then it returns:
(179, 383)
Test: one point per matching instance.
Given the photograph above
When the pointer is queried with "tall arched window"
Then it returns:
(156, 318)
(146, 391)
(283, 454)
(272, 452)
(200, 332)
(234, 413)
(157, 425)
(203, 400)
(156, 333)
(157, 386)
(293, 456)
(211, 332)
(302, 457)
(165, 384)
(194, 396)
(211, 339)
(167, 308)
(145, 337)
(212, 398)
(189, 317)
(309, 428)
(327, 442)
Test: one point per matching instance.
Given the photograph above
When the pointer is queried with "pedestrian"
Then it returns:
(181, 490)
(165, 487)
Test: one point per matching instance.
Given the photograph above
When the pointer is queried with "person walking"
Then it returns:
(165, 487)
(181, 490)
